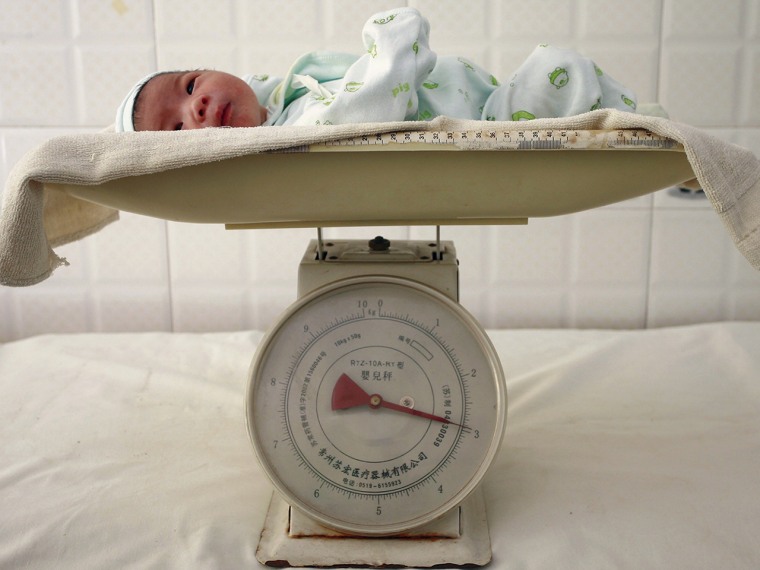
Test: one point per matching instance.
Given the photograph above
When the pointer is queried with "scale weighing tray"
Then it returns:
(419, 178)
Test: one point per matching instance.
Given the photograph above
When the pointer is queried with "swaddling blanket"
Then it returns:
(34, 220)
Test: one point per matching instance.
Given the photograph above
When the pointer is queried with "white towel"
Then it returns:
(34, 219)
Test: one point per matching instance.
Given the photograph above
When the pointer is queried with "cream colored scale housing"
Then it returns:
(376, 406)
(433, 263)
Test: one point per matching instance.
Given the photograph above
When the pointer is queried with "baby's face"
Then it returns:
(195, 100)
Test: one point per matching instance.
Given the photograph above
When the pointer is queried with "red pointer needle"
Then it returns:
(348, 394)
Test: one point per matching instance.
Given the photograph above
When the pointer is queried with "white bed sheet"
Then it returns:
(635, 449)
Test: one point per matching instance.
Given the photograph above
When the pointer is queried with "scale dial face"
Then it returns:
(375, 405)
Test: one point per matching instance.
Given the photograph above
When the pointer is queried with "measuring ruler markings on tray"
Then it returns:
(487, 139)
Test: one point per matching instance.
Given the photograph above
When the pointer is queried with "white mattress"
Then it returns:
(623, 449)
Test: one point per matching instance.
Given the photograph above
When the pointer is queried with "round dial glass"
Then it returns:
(376, 404)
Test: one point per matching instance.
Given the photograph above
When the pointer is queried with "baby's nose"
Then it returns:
(200, 106)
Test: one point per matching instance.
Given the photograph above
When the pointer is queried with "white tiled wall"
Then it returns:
(656, 261)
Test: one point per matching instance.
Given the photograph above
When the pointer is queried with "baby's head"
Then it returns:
(176, 100)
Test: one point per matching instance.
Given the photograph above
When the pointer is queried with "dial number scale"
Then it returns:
(376, 404)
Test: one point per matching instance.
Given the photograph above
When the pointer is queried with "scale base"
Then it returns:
(470, 545)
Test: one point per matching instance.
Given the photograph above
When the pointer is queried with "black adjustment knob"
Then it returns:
(379, 244)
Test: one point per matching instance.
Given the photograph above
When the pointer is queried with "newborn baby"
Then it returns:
(398, 78)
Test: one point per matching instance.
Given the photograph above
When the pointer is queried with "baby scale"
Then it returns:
(376, 402)
(376, 405)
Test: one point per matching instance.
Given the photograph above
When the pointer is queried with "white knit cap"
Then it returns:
(124, 113)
